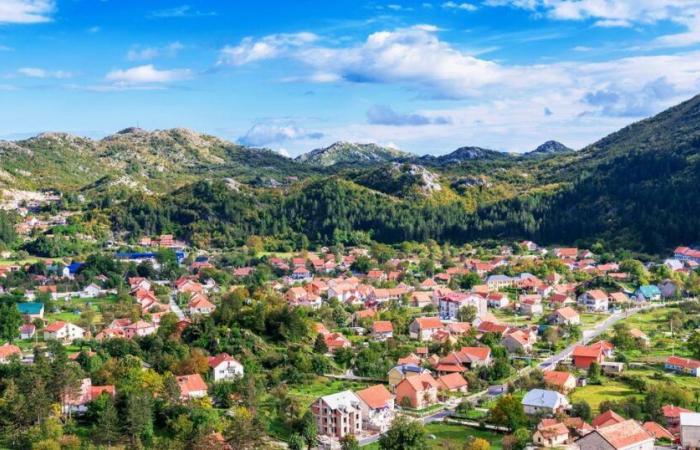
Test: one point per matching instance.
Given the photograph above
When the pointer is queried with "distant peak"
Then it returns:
(550, 147)
(132, 130)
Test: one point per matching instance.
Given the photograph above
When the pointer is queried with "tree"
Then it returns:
(245, 430)
(508, 412)
(309, 430)
(594, 372)
(581, 409)
(138, 417)
(522, 438)
(694, 343)
(467, 313)
(404, 435)
(107, 427)
(296, 442)
(10, 321)
(320, 344)
(349, 442)
(468, 280)
(477, 444)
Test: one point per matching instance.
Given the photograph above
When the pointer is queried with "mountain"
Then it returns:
(549, 148)
(349, 153)
(159, 160)
(465, 154)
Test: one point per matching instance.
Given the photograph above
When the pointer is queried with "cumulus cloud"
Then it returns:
(35, 72)
(385, 115)
(271, 46)
(262, 134)
(145, 53)
(26, 11)
(147, 74)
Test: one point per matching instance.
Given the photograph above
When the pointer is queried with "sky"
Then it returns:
(423, 76)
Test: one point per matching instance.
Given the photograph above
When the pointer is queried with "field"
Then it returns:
(308, 392)
(596, 394)
(655, 324)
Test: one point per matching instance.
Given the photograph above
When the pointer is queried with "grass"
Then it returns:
(453, 435)
(685, 381)
(308, 392)
(654, 323)
(594, 395)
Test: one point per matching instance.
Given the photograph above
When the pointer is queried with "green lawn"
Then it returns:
(308, 392)
(685, 381)
(596, 394)
(455, 435)
(654, 323)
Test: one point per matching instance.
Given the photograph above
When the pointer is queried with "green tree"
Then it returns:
(508, 412)
(309, 430)
(10, 321)
(320, 344)
(296, 442)
(349, 442)
(404, 435)
(581, 409)
(106, 429)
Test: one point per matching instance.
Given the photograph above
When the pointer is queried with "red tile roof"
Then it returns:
(607, 418)
(382, 326)
(624, 434)
(557, 378)
(375, 396)
(452, 381)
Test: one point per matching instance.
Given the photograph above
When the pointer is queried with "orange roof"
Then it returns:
(658, 431)
(671, 411)
(567, 312)
(586, 352)
(597, 294)
(375, 396)
(429, 322)
(554, 430)
(607, 418)
(410, 359)
(624, 434)
(476, 353)
(683, 362)
(8, 350)
(95, 391)
(54, 327)
(382, 326)
(452, 381)
(214, 361)
(191, 383)
(557, 378)
(421, 382)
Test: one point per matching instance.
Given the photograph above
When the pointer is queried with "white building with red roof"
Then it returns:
(377, 406)
(423, 328)
(225, 367)
(191, 386)
(7, 351)
(627, 435)
(63, 331)
(683, 365)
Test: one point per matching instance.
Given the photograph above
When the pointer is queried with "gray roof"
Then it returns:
(542, 398)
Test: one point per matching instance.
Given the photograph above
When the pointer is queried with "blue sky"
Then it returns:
(424, 76)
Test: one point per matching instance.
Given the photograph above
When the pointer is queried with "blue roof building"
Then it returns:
(31, 309)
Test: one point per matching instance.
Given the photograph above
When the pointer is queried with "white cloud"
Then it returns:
(622, 13)
(271, 46)
(276, 131)
(145, 53)
(147, 74)
(35, 72)
(463, 6)
(26, 11)
(94, 29)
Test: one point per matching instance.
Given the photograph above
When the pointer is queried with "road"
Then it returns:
(174, 306)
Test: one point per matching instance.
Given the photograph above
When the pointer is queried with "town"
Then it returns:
(486, 346)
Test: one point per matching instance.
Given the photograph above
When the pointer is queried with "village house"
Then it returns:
(402, 371)
(690, 430)
(27, 331)
(554, 435)
(627, 435)
(594, 300)
(421, 299)
(541, 401)
(497, 282)
(377, 406)
(563, 382)
(191, 386)
(566, 253)
(225, 367)
(647, 293)
(672, 417)
(200, 305)
(453, 382)
(335, 341)
(382, 330)
(607, 418)
(566, 316)
(683, 365)
(658, 432)
(423, 328)
(530, 304)
(338, 415)
(519, 341)
(31, 310)
(77, 402)
(63, 331)
(418, 391)
(451, 303)
(687, 254)
(583, 356)
(7, 351)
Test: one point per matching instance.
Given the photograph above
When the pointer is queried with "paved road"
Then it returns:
(174, 306)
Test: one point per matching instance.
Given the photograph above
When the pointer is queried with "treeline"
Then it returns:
(620, 204)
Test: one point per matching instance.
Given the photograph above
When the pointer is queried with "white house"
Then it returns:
(225, 367)
(450, 304)
(594, 300)
(626, 435)
(377, 406)
(63, 331)
(541, 401)
(690, 430)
